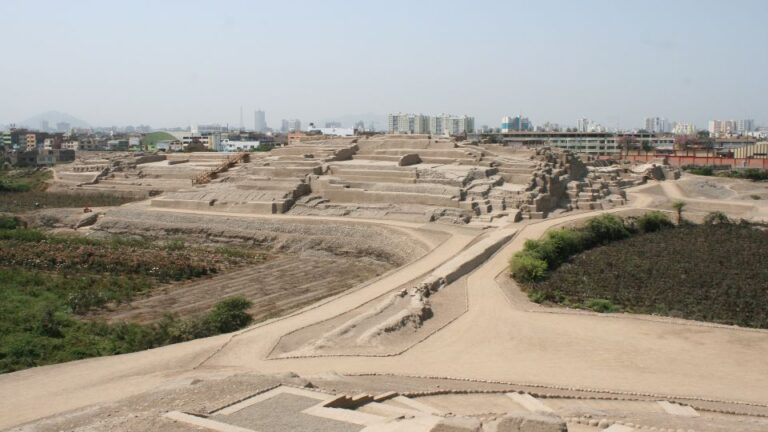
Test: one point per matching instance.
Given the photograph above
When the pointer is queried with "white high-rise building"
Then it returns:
(259, 121)
(730, 127)
(443, 124)
(582, 125)
(684, 129)
(657, 125)
(403, 123)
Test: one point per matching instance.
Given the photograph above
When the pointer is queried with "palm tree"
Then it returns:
(679, 206)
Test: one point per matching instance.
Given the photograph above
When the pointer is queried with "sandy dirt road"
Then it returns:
(495, 340)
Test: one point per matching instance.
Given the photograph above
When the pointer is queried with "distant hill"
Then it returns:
(150, 140)
(53, 117)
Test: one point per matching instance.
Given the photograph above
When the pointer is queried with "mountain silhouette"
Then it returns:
(53, 117)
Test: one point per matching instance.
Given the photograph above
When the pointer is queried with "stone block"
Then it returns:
(409, 159)
(457, 424)
(526, 422)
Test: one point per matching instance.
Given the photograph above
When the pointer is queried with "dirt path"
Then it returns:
(494, 340)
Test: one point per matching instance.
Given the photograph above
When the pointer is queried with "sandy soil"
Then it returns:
(495, 340)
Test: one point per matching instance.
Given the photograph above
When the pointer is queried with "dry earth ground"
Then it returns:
(495, 340)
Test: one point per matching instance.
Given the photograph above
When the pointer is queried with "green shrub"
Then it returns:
(606, 228)
(601, 305)
(565, 243)
(229, 315)
(526, 267)
(653, 221)
(754, 174)
(8, 223)
(536, 296)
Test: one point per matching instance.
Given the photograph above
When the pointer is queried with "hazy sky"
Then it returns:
(168, 63)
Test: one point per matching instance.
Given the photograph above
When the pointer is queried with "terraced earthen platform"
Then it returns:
(585, 367)
(276, 287)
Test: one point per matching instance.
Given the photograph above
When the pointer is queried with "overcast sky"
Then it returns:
(167, 63)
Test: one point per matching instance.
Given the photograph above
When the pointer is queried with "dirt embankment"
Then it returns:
(389, 245)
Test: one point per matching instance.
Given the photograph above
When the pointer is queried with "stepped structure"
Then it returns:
(404, 177)
(138, 175)
(417, 177)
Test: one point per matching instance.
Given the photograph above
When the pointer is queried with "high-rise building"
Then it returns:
(744, 126)
(582, 125)
(62, 127)
(657, 125)
(515, 124)
(293, 125)
(402, 123)
(259, 121)
(730, 127)
(443, 124)
(332, 124)
(360, 126)
(684, 129)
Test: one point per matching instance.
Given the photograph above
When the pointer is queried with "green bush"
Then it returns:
(653, 221)
(526, 267)
(566, 242)
(606, 228)
(229, 315)
(754, 174)
(536, 296)
(8, 223)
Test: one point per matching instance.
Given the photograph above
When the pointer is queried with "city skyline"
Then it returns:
(553, 62)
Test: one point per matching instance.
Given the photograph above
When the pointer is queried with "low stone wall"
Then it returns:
(253, 207)
(377, 197)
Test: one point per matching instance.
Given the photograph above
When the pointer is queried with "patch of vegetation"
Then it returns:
(700, 170)
(601, 305)
(716, 272)
(49, 284)
(9, 222)
(653, 221)
(539, 257)
(38, 325)
(24, 180)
